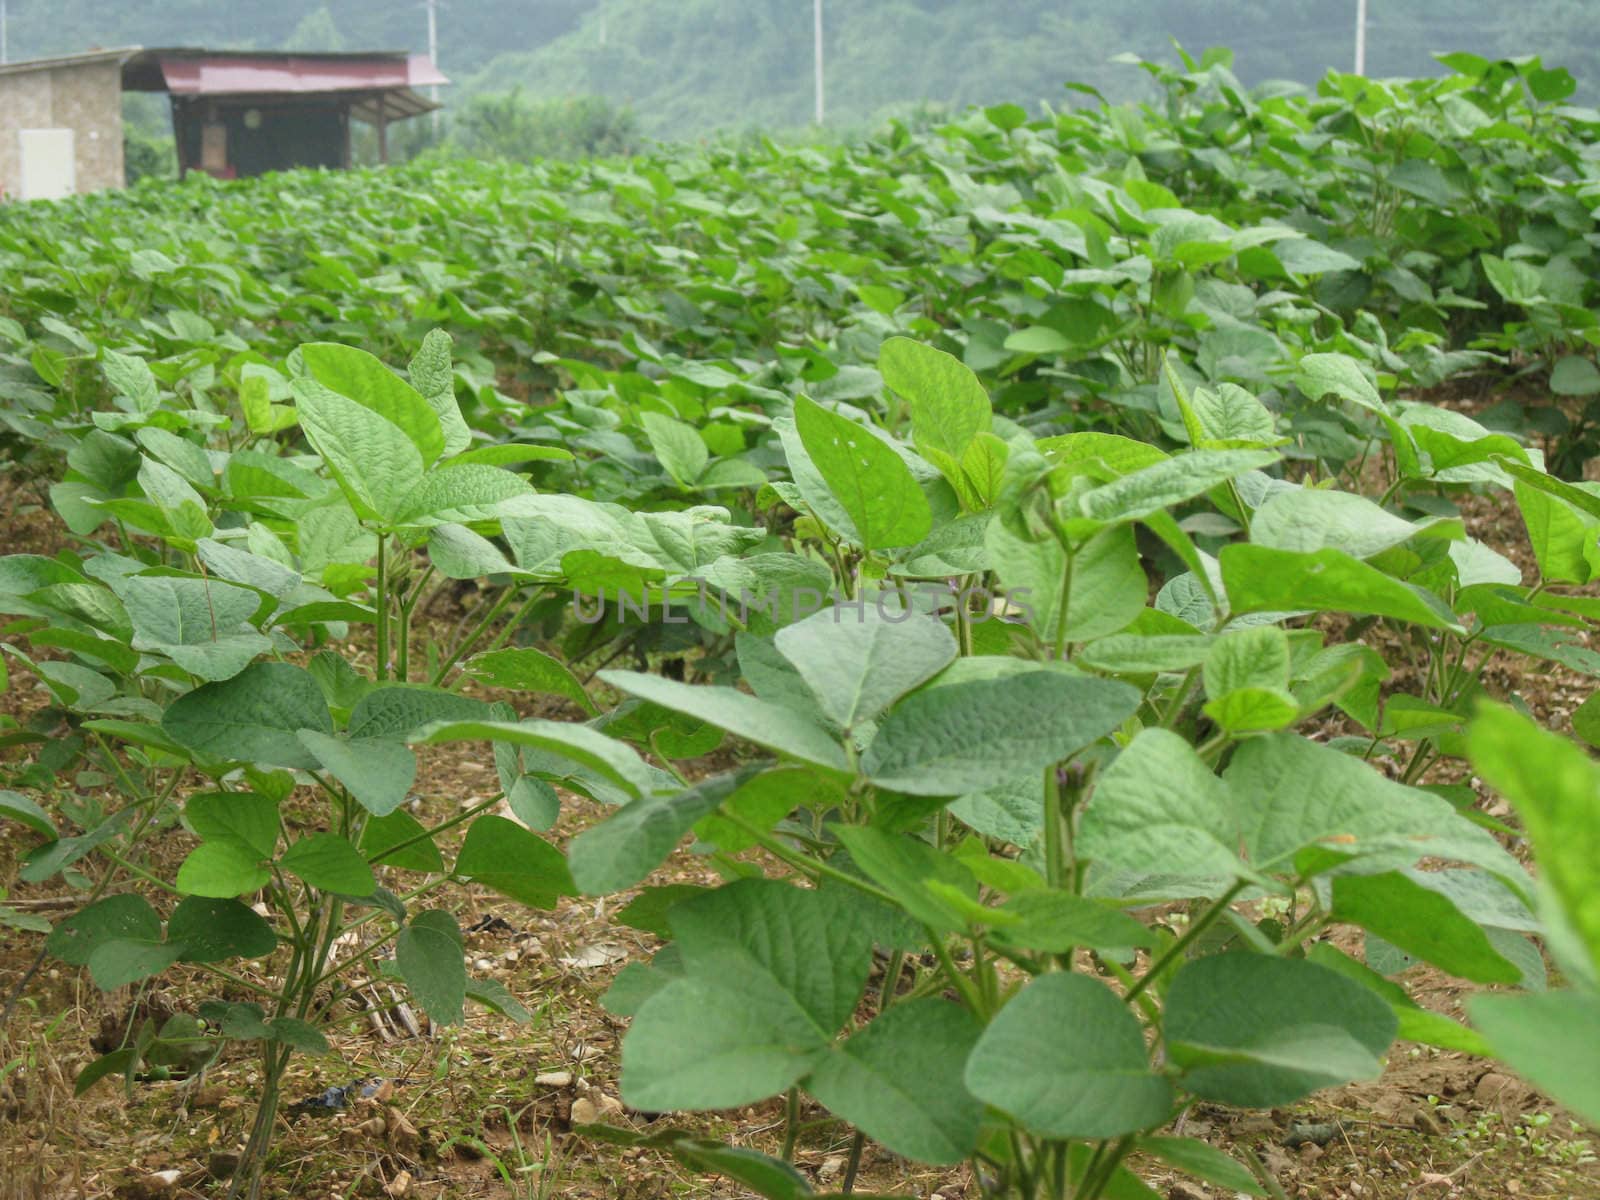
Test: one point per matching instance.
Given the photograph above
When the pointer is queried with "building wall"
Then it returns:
(86, 98)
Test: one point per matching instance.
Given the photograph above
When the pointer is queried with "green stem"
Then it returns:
(515, 622)
(1092, 1189)
(466, 643)
(810, 867)
(791, 1124)
(1175, 951)
(1054, 859)
(427, 835)
(381, 605)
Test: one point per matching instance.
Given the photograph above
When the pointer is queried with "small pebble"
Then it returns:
(585, 1111)
(555, 1079)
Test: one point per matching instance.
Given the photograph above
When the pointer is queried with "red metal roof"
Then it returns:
(259, 74)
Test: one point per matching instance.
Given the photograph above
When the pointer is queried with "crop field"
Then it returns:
(1035, 657)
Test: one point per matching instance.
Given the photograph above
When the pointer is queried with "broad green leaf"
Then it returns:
(330, 863)
(1255, 657)
(1159, 809)
(399, 840)
(464, 492)
(949, 408)
(1311, 519)
(1320, 375)
(525, 669)
(934, 889)
(1416, 1024)
(1262, 579)
(1196, 1158)
(767, 724)
(244, 816)
(1555, 787)
(1308, 805)
(223, 869)
(428, 953)
(17, 807)
(253, 717)
(1574, 376)
(1066, 1059)
(859, 659)
(1170, 482)
(118, 963)
(434, 378)
(899, 1081)
(1231, 416)
(364, 379)
(678, 447)
(1253, 710)
(1259, 1031)
(131, 378)
(1550, 1038)
(1057, 921)
(1106, 593)
(957, 738)
(201, 624)
(771, 974)
(575, 743)
(125, 915)
(506, 858)
(621, 850)
(395, 712)
(1422, 922)
(210, 930)
(377, 772)
(376, 462)
(866, 476)
(1562, 537)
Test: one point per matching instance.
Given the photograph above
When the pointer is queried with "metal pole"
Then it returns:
(1361, 37)
(816, 38)
(5, 49)
(433, 56)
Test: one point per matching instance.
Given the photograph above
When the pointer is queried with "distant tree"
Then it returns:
(316, 31)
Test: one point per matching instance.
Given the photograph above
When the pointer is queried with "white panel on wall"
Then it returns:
(49, 163)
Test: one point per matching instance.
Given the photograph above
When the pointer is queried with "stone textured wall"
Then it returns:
(86, 98)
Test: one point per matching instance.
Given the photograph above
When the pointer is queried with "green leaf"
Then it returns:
(771, 973)
(328, 862)
(1261, 579)
(934, 889)
(243, 816)
(382, 834)
(377, 772)
(621, 850)
(74, 939)
(19, 808)
(1320, 375)
(223, 869)
(1159, 809)
(949, 408)
(434, 378)
(1311, 519)
(1259, 1031)
(428, 953)
(961, 737)
(1550, 1038)
(858, 663)
(1196, 1158)
(1422, 922)
(1555, 787)
(1561, 537)
(1107, 590)
(1066, 1058)
(364, 379)
(118, 1062)
(297, 1034)
(866, 476)
(678, 447)
(1574, 376)
(899, 1081)
(1171, 481)
(208, 930)
(1057, 921)
(395, 713)
(527, 670)
(522, 866)
(462, 492)
(766, 724)
(576, 743)
(253, 717)
(130, 377)
(377, 463)
(118, 963)
(1254, 657)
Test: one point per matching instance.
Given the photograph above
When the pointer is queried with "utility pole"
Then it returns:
(816, 38)
(433, 55)
(1361, 37)
(5, 48)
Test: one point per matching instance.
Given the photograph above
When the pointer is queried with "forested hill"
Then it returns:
(691, 66)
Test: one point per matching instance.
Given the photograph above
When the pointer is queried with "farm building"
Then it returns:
(234, 113)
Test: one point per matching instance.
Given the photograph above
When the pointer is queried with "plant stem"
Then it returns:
(808, 866)
(791, 1124)
(854, 1164)
(427, 835)
(1054, 860)
(466, 643)
(381, 605)
(1175, 951)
